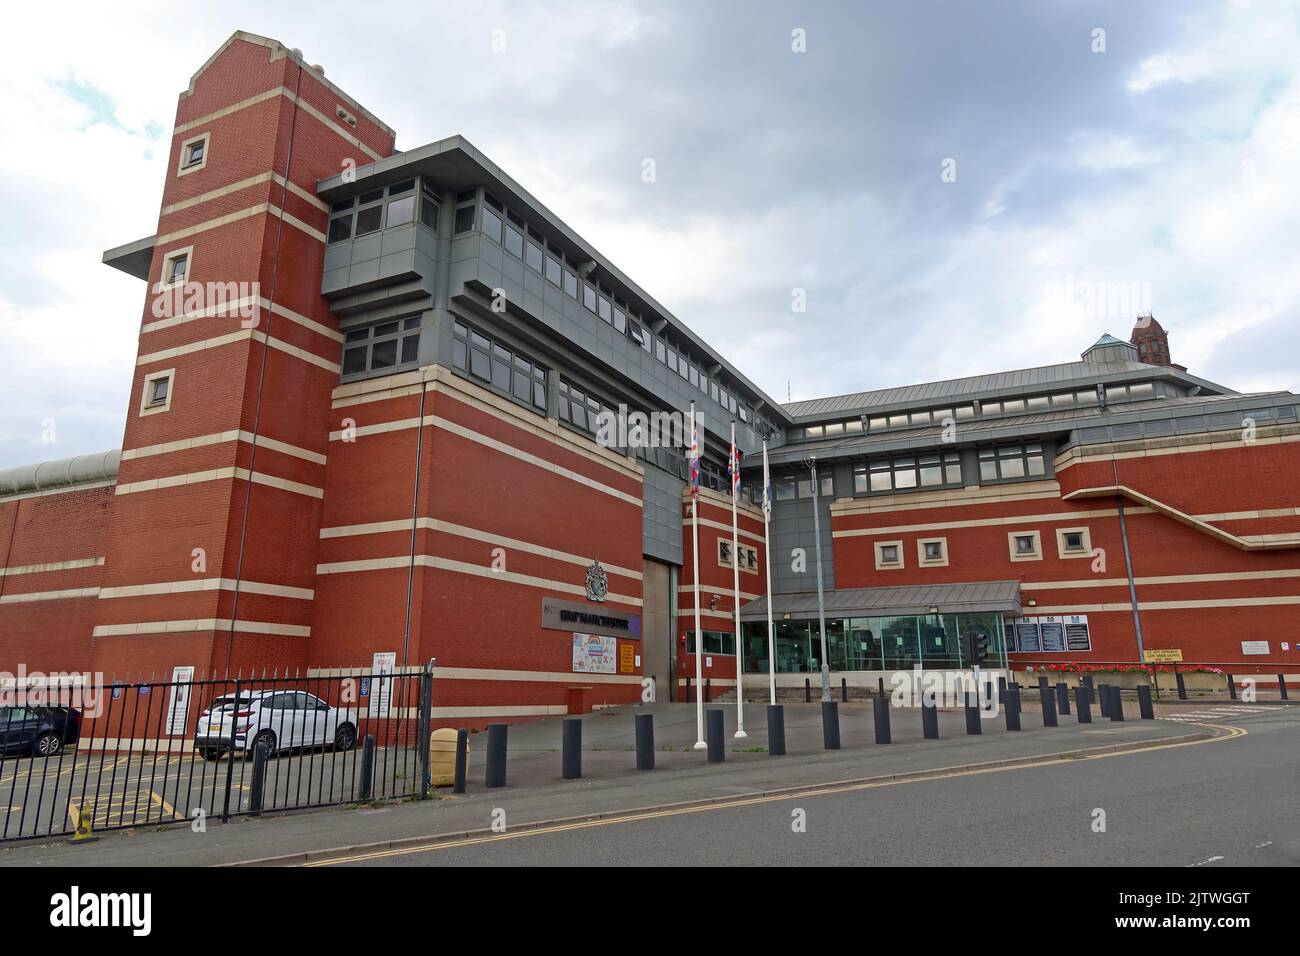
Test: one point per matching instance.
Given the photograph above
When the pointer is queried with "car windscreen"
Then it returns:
(225, 703)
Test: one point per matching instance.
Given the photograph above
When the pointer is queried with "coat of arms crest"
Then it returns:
(597, 582)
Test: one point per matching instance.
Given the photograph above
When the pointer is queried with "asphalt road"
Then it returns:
(1225, 802)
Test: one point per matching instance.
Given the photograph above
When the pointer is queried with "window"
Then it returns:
(533, 257)
(570, 284)
(932, 552)
(553, 270)
(176, 267)
(826, 490)
(932, 470)
(1024, 546)
(582, 410)
(748, 556)
(194, 154)
(1011, 462)
(156, 395)
(401, 210)
(464, 219)
(491, 225)
(381, 347)
(889, 555)
(1073, 543)
(429, 208)
(498, 366)
(715, 642)
(589, 298)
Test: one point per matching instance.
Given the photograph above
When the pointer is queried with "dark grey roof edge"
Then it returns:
(68, 473)
(389, 168)
(1001, 595)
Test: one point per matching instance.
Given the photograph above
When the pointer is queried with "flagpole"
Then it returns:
(767, 565)
(695, 563)
(735, 582)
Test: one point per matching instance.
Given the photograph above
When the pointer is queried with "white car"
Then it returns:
(279, 719)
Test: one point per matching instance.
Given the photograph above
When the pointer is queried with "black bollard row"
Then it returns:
(1047, 697)
(571, 752)
(1083, 704)
(462, 761)
(1011, 707)
(645, 741)
(973, 715)
(830, 725)
(1144, 703)
(1063, 698)
(929, 720)
(496, 755)
(1103, 699)
(775, 730)
(881, 708)
(1115, 707)
(715, 736)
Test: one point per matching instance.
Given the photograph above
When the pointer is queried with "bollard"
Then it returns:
(1115, 709)
(1182, 685)
(1144, 703)
(1063, 698)
(1042, 682)
(645, 741)
(1047, 696)
(1083, 704)
(708, 690)
(830, 725)
(496, 755)
(367, 767)
(880, 707)
(775, 730)
(714, 733)
(1011, 707)
(1232, 688)
(880, 684)
(571, 755)
(988, 692)
(1002, 689)
(1281, 686)
(689, 698)
(1103, 699)
(929, 720)
(258, 793)
(973, 715)
(844, 689)
(807, 691)
(462, 760)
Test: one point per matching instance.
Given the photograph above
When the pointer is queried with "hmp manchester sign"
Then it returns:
(560, 615)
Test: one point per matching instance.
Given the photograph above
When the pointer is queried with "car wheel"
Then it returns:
(211, 753)
(47, 745)
(267, 739)
(345, 738)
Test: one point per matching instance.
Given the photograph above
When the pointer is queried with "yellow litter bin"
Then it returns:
(442, 757)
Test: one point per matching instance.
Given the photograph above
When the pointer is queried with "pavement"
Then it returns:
(536, 797)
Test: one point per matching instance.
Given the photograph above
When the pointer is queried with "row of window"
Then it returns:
(987, 409)
(504, 369)
(382, 209)
(388, 345)
(1021, 546)
(1011, 461)
(911, 471)
(510, 231)
(715, 642)
(748, 556)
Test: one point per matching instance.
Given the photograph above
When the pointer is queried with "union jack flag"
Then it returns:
(695, 464)
(733, 469)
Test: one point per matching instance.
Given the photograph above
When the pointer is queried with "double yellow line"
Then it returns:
(1225, 733)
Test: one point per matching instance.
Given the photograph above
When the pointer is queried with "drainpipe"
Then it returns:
(1128, 568)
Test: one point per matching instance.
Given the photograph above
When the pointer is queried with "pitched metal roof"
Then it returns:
(992, 429)
(1022, 382)
(990, 596)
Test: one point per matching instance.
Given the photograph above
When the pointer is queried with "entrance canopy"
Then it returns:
(976, 597)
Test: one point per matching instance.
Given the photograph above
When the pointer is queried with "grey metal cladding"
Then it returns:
(976, 596)
(661, 515)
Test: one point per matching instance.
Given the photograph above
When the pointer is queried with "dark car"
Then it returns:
(38, 731)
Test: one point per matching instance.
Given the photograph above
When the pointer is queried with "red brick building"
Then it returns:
(366, 423)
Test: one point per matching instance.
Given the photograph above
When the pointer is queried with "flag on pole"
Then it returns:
(695, 461)
(733, 467)
(767, 486)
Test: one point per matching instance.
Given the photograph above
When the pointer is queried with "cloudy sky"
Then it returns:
(957, 187)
